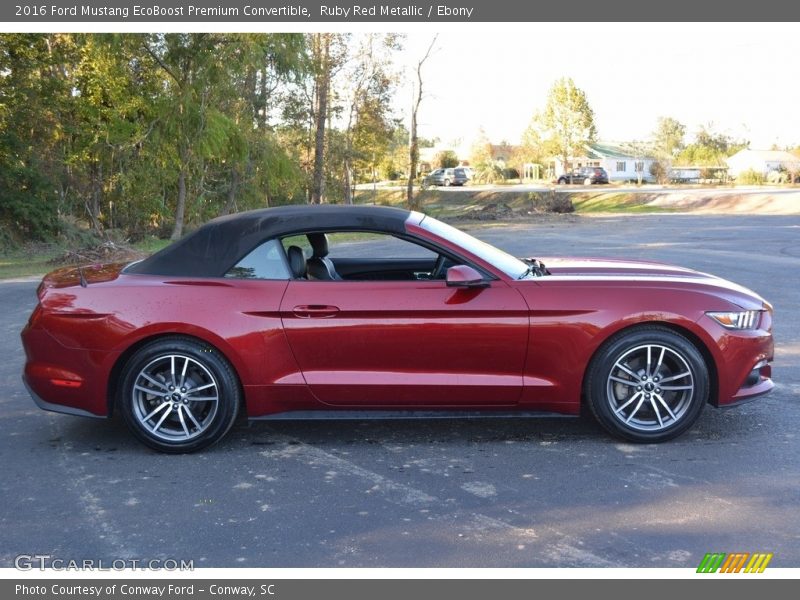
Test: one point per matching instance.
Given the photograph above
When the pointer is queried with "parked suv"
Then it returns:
(585, 175)
(446, 177)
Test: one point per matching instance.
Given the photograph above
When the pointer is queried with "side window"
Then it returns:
(301, 241)
(367, 256)
(265, 262)
(375, 246)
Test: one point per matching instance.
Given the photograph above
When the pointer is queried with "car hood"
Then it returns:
(643, 272)
(610, 266)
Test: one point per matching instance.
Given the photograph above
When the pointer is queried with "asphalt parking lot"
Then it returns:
(488, 493)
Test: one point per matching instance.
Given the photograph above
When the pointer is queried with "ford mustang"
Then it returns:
(374, 312)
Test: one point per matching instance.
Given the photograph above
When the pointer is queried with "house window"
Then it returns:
(639, 166)
(621, 166)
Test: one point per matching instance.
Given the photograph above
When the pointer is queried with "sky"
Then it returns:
(742, 77)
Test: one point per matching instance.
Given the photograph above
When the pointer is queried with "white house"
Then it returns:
(620, 162)
(762, 161)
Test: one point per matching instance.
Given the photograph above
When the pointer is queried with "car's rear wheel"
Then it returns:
(587, 181)
(178, 395)
(647, 385)
(447, 183)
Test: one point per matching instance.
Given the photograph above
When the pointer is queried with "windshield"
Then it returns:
(511, 266)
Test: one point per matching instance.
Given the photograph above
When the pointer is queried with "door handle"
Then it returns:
(315, 311)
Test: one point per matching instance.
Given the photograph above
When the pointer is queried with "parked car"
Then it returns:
(446, 177)
(585, 176)
(237, 316)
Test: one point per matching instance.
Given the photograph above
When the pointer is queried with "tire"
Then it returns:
(562, 181)
(447, 183)
(200, 408)
(587, 181)
(627, 395)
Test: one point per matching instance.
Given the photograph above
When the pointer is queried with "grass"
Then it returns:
(446, 204)
(611, 202)
(19, 264)
(36, 261)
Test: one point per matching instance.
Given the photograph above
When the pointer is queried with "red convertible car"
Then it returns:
(358, 312)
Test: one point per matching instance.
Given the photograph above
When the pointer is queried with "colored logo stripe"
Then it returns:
(711, 562)
(733, 563)
(758, 563)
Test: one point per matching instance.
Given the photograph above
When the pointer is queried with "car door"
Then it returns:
(407, 344)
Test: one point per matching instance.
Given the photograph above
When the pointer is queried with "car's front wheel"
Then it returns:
(178, 395)
(647, 385)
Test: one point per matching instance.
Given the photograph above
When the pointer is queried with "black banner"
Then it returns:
(386, 589)
(390, 11)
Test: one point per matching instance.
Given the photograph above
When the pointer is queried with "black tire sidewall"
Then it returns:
(213, 360)
(604, 360)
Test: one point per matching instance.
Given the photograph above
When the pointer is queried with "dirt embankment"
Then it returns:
(767, 203)
(509, 202)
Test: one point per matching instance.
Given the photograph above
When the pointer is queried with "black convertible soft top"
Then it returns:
(214, 248)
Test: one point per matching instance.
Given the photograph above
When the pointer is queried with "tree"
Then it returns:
(710, 148)
(668, 137)
(413, 142)
(481, 159)
(191, 127)
(568, 119)
(328, 54)
(667, 143)
(480, 152)
(370, 84)
(323, 66)
(135, 134)
(445, 159)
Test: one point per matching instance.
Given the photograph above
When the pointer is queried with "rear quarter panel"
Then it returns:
(106, 320)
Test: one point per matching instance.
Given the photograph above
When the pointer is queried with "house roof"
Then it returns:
(597, 150)
(606, 150)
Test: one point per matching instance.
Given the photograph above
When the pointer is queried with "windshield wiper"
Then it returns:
(535, 267)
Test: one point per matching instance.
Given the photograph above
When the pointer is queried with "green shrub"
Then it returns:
(750, 177)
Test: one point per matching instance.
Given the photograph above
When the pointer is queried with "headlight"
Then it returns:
(746, 319)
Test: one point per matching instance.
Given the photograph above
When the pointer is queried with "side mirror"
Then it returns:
(466, 277)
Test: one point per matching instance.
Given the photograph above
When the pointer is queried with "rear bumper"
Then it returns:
(73, 381)
(59, 408)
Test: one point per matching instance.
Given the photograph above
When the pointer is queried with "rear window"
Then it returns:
(460, 172)
(265, 262)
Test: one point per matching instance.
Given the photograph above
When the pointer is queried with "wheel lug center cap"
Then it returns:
(649, 386)
(176, 397)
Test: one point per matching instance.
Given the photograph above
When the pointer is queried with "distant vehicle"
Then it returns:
(447, 177)
(585, 176)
